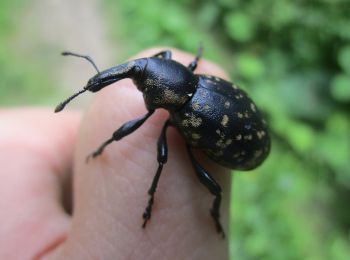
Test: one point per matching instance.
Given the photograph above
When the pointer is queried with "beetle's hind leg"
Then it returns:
(214, 188)
(193, 65)
(123, 131)
(162, 158)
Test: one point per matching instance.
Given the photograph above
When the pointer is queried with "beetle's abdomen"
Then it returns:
(223, 121)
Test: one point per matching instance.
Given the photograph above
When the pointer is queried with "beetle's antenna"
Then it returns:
(68, 53)
(61, 106)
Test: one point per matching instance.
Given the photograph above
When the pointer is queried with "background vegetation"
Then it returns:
(293, 58)
(21, 80)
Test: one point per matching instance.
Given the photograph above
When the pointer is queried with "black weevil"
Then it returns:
(211, 114)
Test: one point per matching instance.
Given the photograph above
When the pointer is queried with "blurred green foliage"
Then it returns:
(21, 81)
(293, 57)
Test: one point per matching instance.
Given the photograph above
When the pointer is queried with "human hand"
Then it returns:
(110, 192)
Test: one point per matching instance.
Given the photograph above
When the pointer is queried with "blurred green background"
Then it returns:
(291, 56)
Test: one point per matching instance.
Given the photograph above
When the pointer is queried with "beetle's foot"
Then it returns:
(146, 216)
(219, 228)
(93, 155)
(222, 232)
(147, 213)
(88, 158)
(145, 219)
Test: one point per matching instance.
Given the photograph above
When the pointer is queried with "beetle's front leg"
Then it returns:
(213, 187)
(123, 131)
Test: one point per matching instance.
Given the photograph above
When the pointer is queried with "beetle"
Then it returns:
(211, 114)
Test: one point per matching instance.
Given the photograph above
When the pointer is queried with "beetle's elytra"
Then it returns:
(211, 114)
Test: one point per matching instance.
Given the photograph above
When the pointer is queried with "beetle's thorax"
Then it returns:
(166, 84)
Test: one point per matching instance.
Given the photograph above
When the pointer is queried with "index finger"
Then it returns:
(111, 190)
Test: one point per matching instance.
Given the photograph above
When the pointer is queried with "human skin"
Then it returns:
(40, 151)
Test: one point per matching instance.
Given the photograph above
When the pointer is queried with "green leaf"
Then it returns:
(208, 15)
(340, 87)
(239, 27)
(301, 137)
(344, 58)
(250, 66)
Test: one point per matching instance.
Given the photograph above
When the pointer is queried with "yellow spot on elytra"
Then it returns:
(192, 120)
(239, 96)
(196, 136)
(240, 115)
(215, 153)
(252, 107)
(238, 137)
(260, 134)
(258, 153)
(239, 156)
(206, 107)
(227, 104)
(248, 137)
(224, 120)
(221, 144)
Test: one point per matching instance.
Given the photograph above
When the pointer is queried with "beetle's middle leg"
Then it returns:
(162, 158)
(193, 65)
(123, 131)
(215, 189)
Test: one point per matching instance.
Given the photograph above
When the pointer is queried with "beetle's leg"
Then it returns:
(212, 186)
(162, 158)
(124, 130)
(193, 64)
(163, 54)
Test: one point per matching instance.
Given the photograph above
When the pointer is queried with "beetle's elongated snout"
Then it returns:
(114, 74)
(105, 78)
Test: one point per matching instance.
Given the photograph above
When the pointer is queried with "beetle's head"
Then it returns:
(165, 83)
(132, 69)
